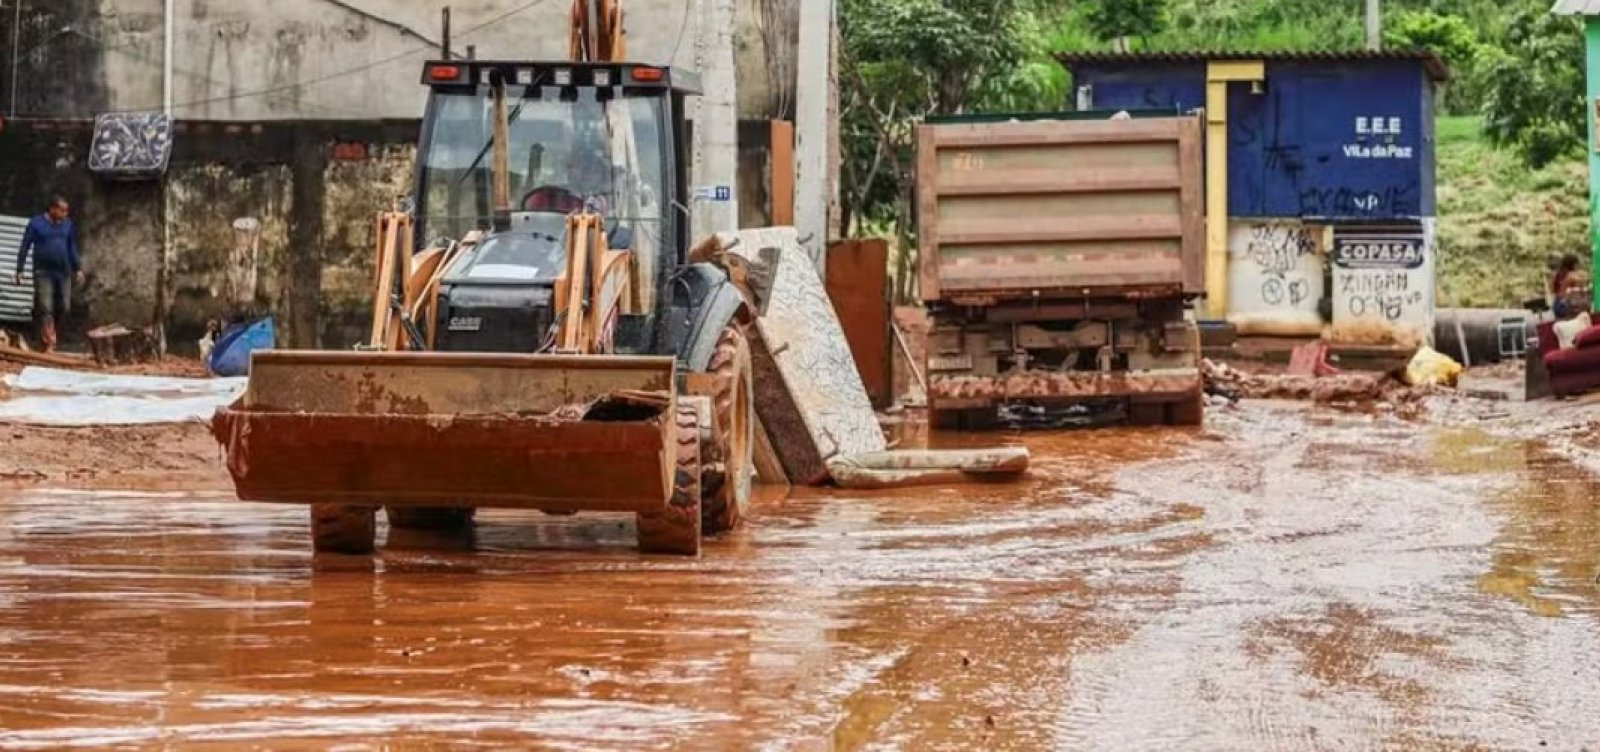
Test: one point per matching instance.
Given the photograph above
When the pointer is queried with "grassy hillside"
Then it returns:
(1499, 221)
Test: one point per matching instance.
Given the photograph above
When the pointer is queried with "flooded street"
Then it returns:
(1287, 579)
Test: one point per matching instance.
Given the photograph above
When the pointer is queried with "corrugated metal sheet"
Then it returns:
(1435, 66)
(1576, 8)
(16, 301)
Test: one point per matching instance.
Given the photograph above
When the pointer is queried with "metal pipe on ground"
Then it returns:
(1480, 328)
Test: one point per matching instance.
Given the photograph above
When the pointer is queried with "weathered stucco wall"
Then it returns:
(355, 191)
(334, 59)
(312, 189)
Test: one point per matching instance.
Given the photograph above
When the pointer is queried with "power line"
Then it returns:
(683, 27)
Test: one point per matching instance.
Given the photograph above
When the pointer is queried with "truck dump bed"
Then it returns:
(1063, 208)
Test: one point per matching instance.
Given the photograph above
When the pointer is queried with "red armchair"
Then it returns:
(1573, 370)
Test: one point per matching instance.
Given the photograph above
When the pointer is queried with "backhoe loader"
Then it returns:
(550, 347)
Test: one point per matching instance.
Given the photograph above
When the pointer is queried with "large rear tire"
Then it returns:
(343, 529)
(441, 519)
(730, 459)
(675, 528)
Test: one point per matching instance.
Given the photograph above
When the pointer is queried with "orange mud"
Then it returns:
(1286, 579)
(147, 458)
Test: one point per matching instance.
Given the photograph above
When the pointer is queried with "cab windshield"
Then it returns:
(569, 150)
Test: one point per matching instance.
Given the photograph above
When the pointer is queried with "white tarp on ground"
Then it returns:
(48, 396)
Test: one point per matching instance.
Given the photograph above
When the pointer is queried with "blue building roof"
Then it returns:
(1437, 70)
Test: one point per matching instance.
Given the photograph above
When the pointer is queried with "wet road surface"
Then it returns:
(1284, 580)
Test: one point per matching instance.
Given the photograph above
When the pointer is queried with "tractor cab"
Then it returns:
(602, 138)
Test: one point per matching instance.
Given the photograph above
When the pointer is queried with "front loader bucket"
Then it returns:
(453, 429)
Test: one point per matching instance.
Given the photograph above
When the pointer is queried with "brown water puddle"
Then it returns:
(1547, 556)
(944, 617)
(1284, 580)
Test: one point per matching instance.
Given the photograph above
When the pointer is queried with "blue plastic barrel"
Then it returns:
(231, 356)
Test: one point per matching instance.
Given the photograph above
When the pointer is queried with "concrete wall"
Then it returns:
(1383, 283)
(332, 59)
(1277, 272)
(312, 187)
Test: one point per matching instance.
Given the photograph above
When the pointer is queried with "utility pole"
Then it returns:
(1374, 26)
(811, 190)
(166, 57)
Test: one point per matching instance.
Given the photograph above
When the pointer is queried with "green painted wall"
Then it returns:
(1592, 42)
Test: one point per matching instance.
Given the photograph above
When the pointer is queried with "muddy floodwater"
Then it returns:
(1285, 579)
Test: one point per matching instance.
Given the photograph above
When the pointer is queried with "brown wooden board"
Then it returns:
(769, 468)
(60, 360)
(858, 285)
(782, 191)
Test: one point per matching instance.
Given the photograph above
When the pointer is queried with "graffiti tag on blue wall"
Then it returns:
(1391, 201)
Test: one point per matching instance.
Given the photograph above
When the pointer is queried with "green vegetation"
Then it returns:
(1500, 221)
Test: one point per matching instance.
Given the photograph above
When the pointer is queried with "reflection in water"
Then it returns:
(1547, 554)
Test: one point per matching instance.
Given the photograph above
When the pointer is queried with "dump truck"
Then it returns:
(1057, 258)
(540, 338)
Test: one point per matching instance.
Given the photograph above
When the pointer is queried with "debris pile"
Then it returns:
(1345, 388)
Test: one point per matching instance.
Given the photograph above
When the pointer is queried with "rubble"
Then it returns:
(1364, 389)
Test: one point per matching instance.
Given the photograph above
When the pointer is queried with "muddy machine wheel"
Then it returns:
(675, 529)
(430, 518)
(343, 529)
(730, 457)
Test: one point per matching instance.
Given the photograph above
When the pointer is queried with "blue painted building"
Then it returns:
(1326, 135)
(1335, 150)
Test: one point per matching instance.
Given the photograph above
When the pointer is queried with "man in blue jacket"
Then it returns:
(53, 241)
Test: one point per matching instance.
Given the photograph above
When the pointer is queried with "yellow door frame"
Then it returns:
(1220, 73)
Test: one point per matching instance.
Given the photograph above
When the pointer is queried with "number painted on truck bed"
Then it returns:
(966, 161)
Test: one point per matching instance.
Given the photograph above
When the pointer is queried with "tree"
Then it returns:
(1125, 19)
(1450, 37)
(1455, 41)
(901, 61)
(1535, 98)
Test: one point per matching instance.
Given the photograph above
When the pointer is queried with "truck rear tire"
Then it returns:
(343, 529)
(442, 519)
(726, 481)
(675, 528)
